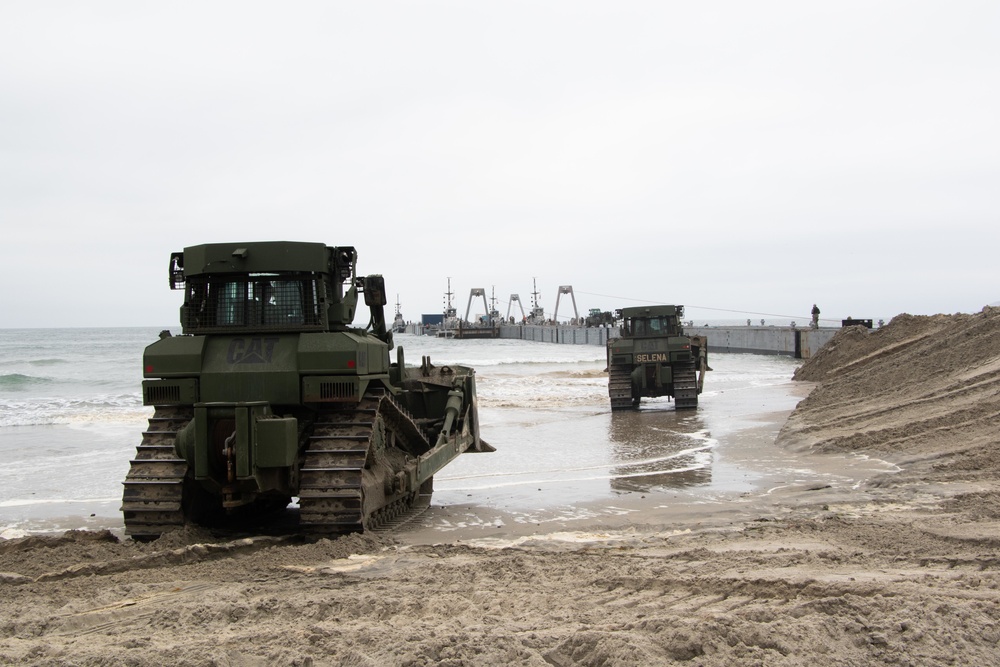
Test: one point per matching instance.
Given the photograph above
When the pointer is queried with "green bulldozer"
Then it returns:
(653, 357)
(270, 393)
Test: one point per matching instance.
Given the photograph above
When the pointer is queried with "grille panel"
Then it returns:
(162, 394)
(337, 391)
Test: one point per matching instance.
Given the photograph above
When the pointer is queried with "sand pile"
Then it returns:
(919, 389)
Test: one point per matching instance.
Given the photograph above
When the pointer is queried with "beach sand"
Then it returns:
(900, 568)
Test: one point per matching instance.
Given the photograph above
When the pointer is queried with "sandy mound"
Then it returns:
(918, 389)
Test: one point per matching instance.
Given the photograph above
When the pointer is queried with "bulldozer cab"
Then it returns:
(278, 286)
(652, 321)
(251, 301)
(641, 326)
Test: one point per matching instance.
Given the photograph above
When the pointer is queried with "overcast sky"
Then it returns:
(747, 159)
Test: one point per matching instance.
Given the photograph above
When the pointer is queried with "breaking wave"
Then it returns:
(16, 381)
(51, 411)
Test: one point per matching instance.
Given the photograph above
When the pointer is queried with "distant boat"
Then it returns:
(398, 324)
(450, 321)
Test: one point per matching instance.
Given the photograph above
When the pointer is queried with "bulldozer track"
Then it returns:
(685, 387)
(343, 481)
(154, 486)
(620, 386)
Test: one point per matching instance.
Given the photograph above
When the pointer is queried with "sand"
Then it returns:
(902, 569)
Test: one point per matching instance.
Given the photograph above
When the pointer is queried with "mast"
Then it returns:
(537, 313)
(449, 310)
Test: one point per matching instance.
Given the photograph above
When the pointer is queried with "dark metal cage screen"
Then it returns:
(650, 326)
(262, 302)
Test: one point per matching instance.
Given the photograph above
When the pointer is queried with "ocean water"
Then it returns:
(71, 416)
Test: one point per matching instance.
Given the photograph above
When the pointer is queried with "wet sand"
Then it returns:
(657, 468)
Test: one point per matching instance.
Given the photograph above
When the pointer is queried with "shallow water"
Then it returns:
(568, 447)
(71, 416)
